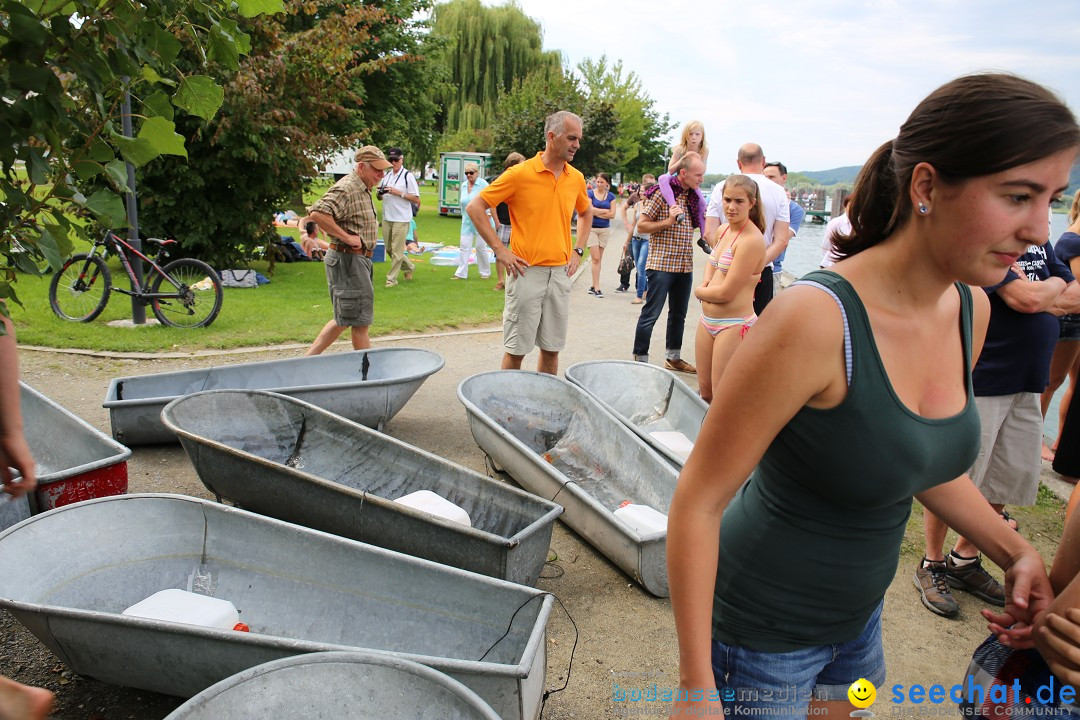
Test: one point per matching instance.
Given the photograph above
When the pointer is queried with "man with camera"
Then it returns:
(399, 193)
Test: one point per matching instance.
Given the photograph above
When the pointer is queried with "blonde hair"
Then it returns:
(472, 166)
(684, 140)
(1074, 211)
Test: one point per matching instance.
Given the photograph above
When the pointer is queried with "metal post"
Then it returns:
(138, 309)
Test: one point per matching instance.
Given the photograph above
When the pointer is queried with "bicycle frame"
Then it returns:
(121, 247)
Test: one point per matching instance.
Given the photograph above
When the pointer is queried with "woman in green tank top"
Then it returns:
(777, 583)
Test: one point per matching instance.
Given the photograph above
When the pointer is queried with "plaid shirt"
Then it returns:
(670, 249)
(348, 201)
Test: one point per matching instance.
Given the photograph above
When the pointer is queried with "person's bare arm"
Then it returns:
(647, 226)
(780, 238)
(749, 254)
(744, 417)
(1031, 296)
(1068, 302)
(14, 451)
(329, 225)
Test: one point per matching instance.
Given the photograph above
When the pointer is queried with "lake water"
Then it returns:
(804, 255)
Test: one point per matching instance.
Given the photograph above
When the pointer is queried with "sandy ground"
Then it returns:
(624, 636)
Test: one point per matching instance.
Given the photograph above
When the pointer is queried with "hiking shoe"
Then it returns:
(934, 588)
(974, 579)
(680, 365)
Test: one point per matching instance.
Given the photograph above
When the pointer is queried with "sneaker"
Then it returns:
(622, 289)
(598, 293)
(680, 365)
(931, 582)
(974, 579)
(592, 290)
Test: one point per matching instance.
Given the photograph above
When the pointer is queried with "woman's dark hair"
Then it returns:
(973, 126)
(309, 228)
(757, 213)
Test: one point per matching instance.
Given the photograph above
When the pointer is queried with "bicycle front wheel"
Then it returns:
(188, 295)
(80, 289)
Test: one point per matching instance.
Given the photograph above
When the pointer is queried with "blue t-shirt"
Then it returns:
(1018, 348)
(603, 205)
(797, 214)
(1067, 247)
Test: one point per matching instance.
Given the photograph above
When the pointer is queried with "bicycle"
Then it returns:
(184, 293)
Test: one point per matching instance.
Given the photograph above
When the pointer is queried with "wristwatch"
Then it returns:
(580, 252)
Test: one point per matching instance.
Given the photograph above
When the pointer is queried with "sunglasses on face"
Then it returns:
(469, 172)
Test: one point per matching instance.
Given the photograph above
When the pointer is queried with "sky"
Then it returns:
(817, 84)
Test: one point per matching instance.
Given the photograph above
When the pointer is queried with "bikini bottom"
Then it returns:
(715, 326)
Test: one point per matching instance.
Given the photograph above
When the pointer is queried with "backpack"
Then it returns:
(289, 250)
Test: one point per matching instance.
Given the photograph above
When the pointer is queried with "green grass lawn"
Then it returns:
(291, 309)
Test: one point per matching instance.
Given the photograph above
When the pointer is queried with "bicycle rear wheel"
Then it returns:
(191, 293)
(80, 289)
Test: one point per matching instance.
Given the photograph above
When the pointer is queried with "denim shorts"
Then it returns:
(782, 684)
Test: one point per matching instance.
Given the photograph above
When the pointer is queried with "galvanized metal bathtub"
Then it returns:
(559, 443)
(288, 459)
(651, 401)
(75, 461)
(67, 575)
(367, 386)
(341, 685)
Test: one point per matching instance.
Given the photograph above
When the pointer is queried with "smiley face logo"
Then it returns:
(862, 693)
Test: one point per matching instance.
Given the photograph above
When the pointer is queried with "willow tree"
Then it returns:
(485, 49)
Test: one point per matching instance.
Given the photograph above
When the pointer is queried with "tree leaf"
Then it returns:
(158, 105)
(167, 46)
(199, 95)
(137, 151)
(162, 135)
(150, 74)
(37, 166)
(117, 172)
(251, 8)
(221, 47)
(108, 208)
(86, 169)
(50, 247)
(102, 151)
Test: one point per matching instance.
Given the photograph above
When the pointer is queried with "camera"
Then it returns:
(380, 191)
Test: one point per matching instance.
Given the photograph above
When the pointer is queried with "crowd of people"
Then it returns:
(928, 346)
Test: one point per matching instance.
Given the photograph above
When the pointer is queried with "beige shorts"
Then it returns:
(1008, 465)
(537, 309)
(599, 236)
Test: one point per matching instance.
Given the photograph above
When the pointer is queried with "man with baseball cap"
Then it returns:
(347, 214)
(399, 192)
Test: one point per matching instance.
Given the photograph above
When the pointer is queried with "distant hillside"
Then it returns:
(847, 175)
(834, 176)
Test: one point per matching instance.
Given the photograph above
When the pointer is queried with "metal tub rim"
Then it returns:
(511, 541)
(360, 657)
(576, 490)
(521, 670)
(664, 451)
(122, 452)
(109, 402)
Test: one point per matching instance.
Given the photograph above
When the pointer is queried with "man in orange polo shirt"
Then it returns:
(542, 194)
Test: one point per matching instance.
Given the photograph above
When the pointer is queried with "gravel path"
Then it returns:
(625, 635)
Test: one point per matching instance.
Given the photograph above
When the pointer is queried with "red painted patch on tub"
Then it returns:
(103, 482)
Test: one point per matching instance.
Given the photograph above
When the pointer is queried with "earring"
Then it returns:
(923, 208)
